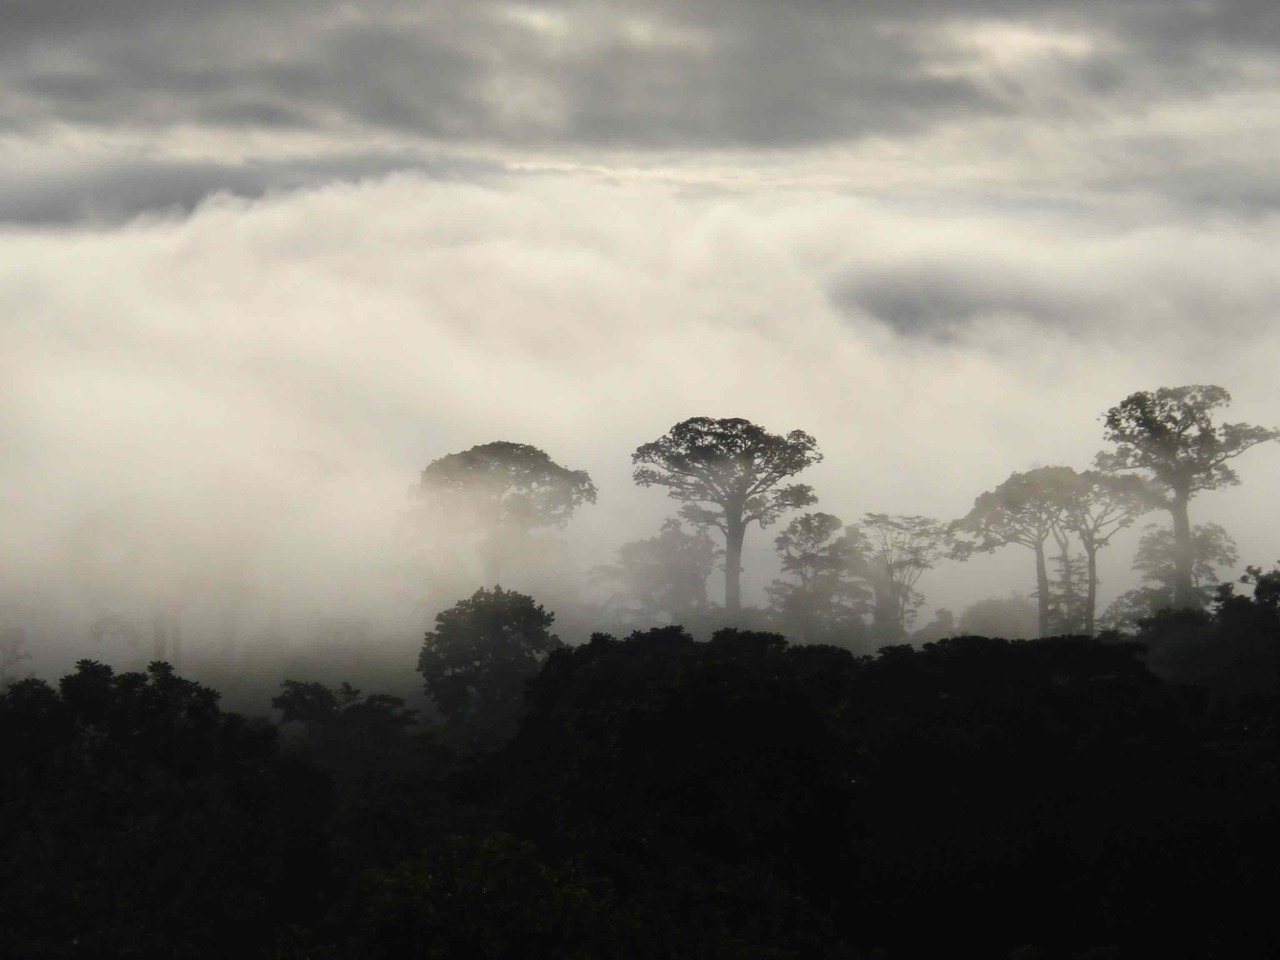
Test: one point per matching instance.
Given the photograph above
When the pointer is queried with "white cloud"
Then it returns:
(166, 373)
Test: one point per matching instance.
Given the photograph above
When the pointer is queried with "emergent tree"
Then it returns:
(501, 492)
(1025, 509)
(1170, 435)
(1102, 506)
(729, 473)
(823, 603)
(892, 552)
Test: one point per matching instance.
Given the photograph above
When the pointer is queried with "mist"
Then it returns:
(382, 383)
(223, 412)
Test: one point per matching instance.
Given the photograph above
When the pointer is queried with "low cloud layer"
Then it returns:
(261, 262)
(261, 382)
(116, 191)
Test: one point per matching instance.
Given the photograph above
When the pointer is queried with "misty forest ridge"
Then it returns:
(717, 480)
(727, 781)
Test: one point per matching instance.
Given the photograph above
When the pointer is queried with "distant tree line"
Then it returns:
(655, 796)
(488, 515)
(856, 584)
(735, 796)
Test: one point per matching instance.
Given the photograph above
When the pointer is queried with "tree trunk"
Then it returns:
(1183, 552)
(1042, 589)
(1068, 622)
(734, 533)
(882, 612)
(899, 596)
(1091, 595)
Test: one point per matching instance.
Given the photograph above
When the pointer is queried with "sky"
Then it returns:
(261, 262)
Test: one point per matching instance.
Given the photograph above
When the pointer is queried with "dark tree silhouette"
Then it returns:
(1102, 506)
(1245, 656)
(1066, 602)
(501, 492)
(822, 603)
(1025, 509)
(666, 574)
(143, 820)
(892, 552)
(477, 660)
(1228, 651)
(1212, 550)
(486, 896)
(712, 780)
(729, 473)
(344, 730)
(1170, 435)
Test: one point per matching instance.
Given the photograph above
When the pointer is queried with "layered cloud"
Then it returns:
(261, 262)
(265, 379)
(637, 72)
(1176, 98)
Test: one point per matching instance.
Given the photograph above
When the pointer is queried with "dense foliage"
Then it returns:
(734, 796)
(140, 820)
(663, 797)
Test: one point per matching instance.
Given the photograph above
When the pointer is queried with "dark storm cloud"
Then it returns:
(119, 191)
(639, 73)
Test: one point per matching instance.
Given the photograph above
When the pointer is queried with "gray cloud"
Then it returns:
(924, 300)
(984, 283)
(116, 192)
(1201, 186)
(1054, 102)
(191, 364)
(640, 73)
(942, 235)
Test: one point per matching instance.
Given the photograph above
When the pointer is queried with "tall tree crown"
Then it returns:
(1170, 433)
(809, 547)
(823, 603)
(1105, 504)
(1024, 509)
(732, 464)
(511, 485)
(1027, 509)
(892, 552)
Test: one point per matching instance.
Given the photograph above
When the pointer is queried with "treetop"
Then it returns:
(1170, 432)
(519, 481)
(728, 461)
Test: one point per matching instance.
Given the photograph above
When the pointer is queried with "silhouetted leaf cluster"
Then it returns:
(738, 798)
